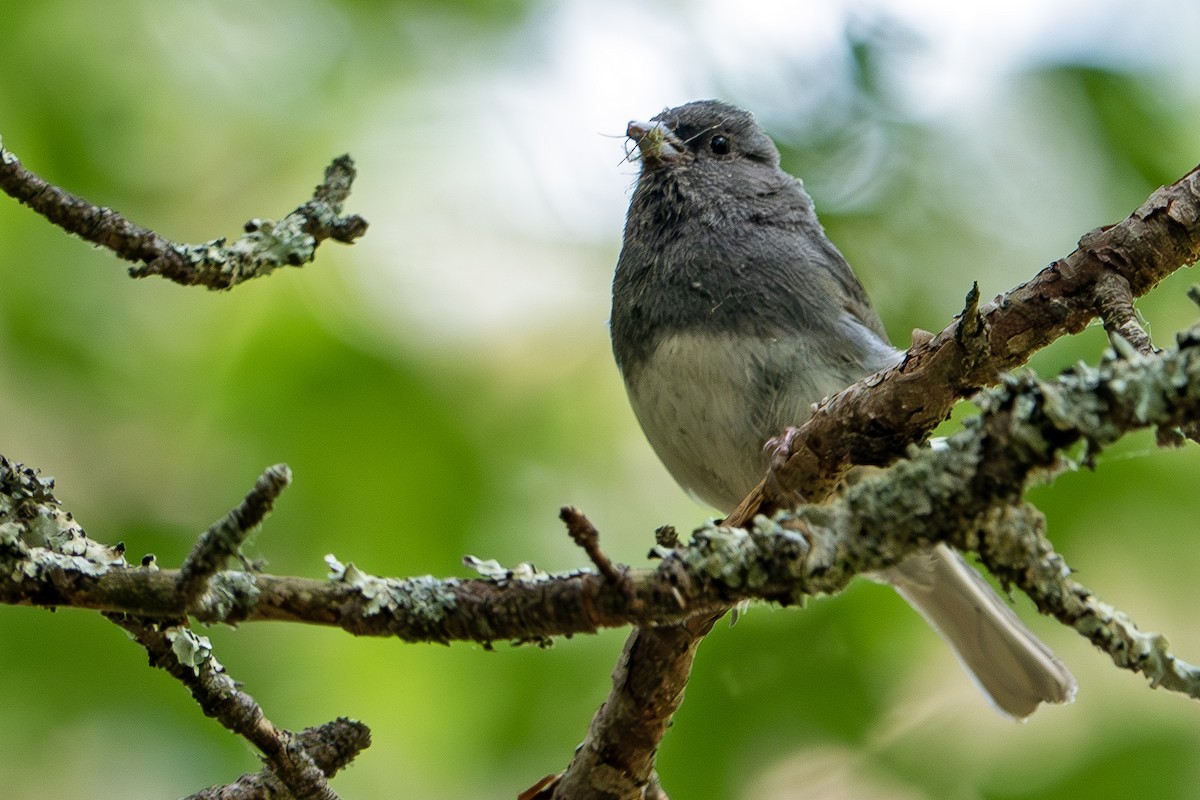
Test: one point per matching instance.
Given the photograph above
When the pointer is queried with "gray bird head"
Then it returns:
(706, 160)
(719, 239)
(702, 132)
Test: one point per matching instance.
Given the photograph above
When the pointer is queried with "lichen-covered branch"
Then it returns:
(189, 659)
(874, 421)
(1014, 547)
(218, 264)
(331, 746)
(44, 550)
(223, 539)
(943, 495)
(617, 757)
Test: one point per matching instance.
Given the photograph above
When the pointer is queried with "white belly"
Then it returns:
(708, 406)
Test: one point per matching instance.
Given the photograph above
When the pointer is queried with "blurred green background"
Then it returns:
(443, 386)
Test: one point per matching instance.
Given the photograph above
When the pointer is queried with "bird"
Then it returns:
(732, 315)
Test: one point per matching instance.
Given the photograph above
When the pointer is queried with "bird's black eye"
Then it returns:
(719, 145)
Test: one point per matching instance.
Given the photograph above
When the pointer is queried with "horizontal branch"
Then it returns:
(944, 495)
(218, 264)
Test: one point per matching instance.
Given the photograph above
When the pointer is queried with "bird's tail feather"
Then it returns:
(1012, 667)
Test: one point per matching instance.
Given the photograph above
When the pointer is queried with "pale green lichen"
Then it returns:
(720, 554)
(31, 512)
(230, 595)
(744, 561)
(42, 561)
(424, 600)
(492, 570)
(1146, 652)
(192, 650)
(10, 536)
(265, 246)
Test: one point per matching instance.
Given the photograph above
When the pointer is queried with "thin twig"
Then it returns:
(585, 535)
(1014, 548)
(224, 538)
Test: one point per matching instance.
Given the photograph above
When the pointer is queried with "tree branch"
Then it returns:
(189, 659)
(873, 421)
(217, 264)
(224, 538)
(616, 758)
(331, 746)
(934, 496)
(967, 495)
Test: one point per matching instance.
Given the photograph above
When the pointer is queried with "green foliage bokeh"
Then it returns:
(422, 427)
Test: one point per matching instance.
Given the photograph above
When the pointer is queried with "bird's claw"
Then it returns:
(779, 448)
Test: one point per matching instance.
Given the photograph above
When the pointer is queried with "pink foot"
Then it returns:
(779, 448)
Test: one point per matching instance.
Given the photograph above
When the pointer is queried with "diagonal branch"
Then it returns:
(224, 538)
(617, 756)
(264, 246)
(189, 659)
(873, 421)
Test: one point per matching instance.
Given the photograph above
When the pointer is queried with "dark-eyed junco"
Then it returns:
(732, 314)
